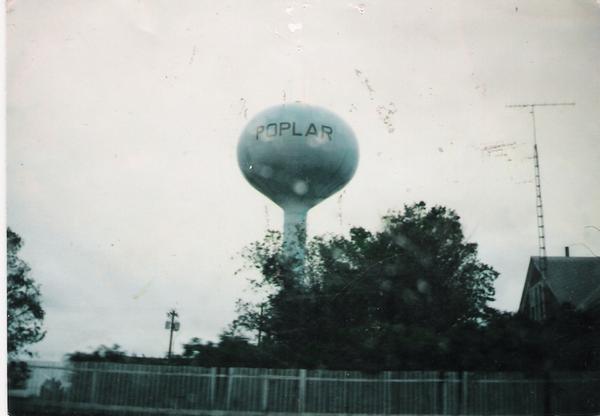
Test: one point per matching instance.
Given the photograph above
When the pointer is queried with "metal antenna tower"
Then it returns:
(538, 185)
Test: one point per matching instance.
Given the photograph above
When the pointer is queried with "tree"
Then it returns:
(230, 351)
(102, 353)
(373, 300)
(25, 313)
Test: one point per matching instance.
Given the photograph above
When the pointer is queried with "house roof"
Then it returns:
(574, 280)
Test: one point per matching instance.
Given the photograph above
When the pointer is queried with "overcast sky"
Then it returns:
(123, 120)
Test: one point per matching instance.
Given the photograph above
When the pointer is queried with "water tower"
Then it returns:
(297, 155)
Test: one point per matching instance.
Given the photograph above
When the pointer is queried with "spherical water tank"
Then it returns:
(297, 155)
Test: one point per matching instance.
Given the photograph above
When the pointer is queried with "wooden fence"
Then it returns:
(143, 389)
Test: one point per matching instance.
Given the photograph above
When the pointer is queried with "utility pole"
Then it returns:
(538, 185)
(171, 325)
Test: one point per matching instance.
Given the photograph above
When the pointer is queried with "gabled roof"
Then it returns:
(574, 280)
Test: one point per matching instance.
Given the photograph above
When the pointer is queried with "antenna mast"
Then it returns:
(538, 185)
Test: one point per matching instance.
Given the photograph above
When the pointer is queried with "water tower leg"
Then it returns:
(294, 238)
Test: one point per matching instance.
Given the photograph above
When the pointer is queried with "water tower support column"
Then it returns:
(294, 236)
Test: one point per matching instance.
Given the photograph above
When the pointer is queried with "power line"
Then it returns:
(538, 105)
(586, 246)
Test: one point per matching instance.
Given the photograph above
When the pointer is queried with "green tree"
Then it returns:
(386, 299)
(25, 313)
(230, 351)
(102, 353)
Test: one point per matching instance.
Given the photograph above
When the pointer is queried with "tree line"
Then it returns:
(411, 296)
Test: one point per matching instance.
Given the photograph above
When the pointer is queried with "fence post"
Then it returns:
(230, 372)
(302, 391)
(265, 391)
(445, 381)
(387, 393)
(465, 393)
(547, 393)
(94, 387)
(212, 387)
